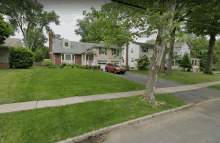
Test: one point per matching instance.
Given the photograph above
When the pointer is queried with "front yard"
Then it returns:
(183, 77)
(49, 125)
(40, 83)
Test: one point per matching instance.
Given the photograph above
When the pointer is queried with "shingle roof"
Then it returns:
(180, 44)
(145, 44)
(76, 47)
(10, 42)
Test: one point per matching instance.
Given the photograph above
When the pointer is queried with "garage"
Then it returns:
(102, 63)
(116, 62)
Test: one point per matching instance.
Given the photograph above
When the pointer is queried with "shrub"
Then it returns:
(142, 62)
(21, 57)
(73, 65)
(89, 67)
(39, 55)
(94, 67)
(52, 66)
(69, 66)
(47, 63)
(63, 65)
(98, 66)
(201, 68)
(186, 62)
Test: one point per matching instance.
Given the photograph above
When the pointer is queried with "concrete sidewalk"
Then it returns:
(5, 108)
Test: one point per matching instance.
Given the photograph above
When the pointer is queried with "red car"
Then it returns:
(114, 68)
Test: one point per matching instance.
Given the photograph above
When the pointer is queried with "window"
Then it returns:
(123, 60)
(72, 57)
(62, 57)
(101, 51)
(66, 44)
(115, 52)
(132, 50)
(132, 59)
(102, 62)
(116, 62)
(145, 50)
(68, 57)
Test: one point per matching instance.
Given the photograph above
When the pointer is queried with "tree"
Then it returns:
(186, 62)
(46, 52)
(39, 55)
(152, 41)
(25, 15)
(58, 36)
(211, 18)
(5, 29)
(142, 62)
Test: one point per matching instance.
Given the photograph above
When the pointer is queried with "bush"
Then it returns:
(98, 66)
(73, 65)
(52, 66)
(142, 62)
(89, 67)
(186, 62)
(39, 55)
(47, 63)
(201, 68)
(188, 69)
(62, 65)
(94, 67)
(21, 57)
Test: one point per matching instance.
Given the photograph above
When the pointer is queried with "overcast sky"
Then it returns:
(69, 11)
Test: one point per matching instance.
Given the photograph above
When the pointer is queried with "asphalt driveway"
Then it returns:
(190, 96)
(200, 124)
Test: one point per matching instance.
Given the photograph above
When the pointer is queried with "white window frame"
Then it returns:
(102, 62)
(144, 48)
(67, 44)
(132, 60)
(102, 49)
(65, 57)
(115, 52)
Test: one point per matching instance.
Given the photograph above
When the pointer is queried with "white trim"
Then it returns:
(65, 57)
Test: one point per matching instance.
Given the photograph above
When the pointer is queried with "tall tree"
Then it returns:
(24, 15)
(5, 29)
(210, 17)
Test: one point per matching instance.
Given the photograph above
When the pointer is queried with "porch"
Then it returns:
(88, 58)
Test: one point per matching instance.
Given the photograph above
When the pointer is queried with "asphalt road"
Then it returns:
(200, 124)
(190, 96)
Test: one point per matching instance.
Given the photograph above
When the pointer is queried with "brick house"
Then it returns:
(82, 53)
(4, 51)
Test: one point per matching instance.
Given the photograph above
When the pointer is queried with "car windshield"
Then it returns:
(117, 66)
(111, 65)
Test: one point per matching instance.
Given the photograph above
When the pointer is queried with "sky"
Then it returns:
(69, 11)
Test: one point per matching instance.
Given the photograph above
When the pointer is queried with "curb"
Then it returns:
(207, 101)
(117, 126)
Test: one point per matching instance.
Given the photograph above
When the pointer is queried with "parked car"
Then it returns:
(114, 68)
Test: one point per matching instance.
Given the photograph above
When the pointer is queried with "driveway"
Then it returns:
(190, 96)
(200, 124)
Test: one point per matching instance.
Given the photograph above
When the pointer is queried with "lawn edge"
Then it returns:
(120, 125)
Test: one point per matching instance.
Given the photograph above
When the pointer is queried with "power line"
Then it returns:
(176, 17)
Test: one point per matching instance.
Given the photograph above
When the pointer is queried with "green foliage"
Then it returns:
(89, 67)
(94, 67)
(74, 65)
(47, 62)
(142, 62)
(21, 57)
(39, 55)
(46, 52)
(98, 66)
(52, 66)
(203, 60)
(186, 62)
(201, 68)
(62, 65)
(5, 29)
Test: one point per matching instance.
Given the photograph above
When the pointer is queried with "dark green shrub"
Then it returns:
(186, 62)
(94, 67)
(73, 65)
(189, 69)
(201, 68)
(47, 63)
(39, 55)
(62, 65)
(52, 66)
(21, 57)
(89, 67)
(142, 62)
(98, 66)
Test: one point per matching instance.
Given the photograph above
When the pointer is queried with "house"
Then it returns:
(137, 49)
(4, 51)
(82, 53)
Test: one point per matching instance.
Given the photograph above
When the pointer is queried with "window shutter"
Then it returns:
(147, 50)
(99, 51)
(106, 52)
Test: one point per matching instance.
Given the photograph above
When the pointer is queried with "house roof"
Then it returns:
(180, 44)
(145, 44)
(76, 47)
(10, 42)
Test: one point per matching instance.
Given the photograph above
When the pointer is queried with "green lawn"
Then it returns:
(184, 77)
(217, 87)
(48, 125)
(41, 83)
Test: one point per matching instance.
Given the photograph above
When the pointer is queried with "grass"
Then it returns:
(40, 83)
(48, 125)
(217, 87)
(183, 77)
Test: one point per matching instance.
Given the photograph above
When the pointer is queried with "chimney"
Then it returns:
(50, 47)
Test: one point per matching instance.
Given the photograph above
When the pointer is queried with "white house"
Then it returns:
(137, 49)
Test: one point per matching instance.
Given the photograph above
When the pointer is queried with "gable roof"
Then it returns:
(145, 44)
(10, 42)
(179, 44)
(76, 47)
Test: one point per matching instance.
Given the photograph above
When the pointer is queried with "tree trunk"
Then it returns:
(162, 65)
(208, 68)
(127, 68)
(157, 56)
(169, 64)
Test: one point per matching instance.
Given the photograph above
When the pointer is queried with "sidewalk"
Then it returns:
(5, 108)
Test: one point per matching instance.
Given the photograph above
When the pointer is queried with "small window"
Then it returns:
(145, 50)
(132, 50)
(115, 52)
(66, 44)
(72, 57)
(68, 57)
(132, 59)
(62, 57)
(123, 60)
(101, 51)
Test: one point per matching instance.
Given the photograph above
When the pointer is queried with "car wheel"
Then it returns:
(115, 72)
(122, 72)
(106, 69)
